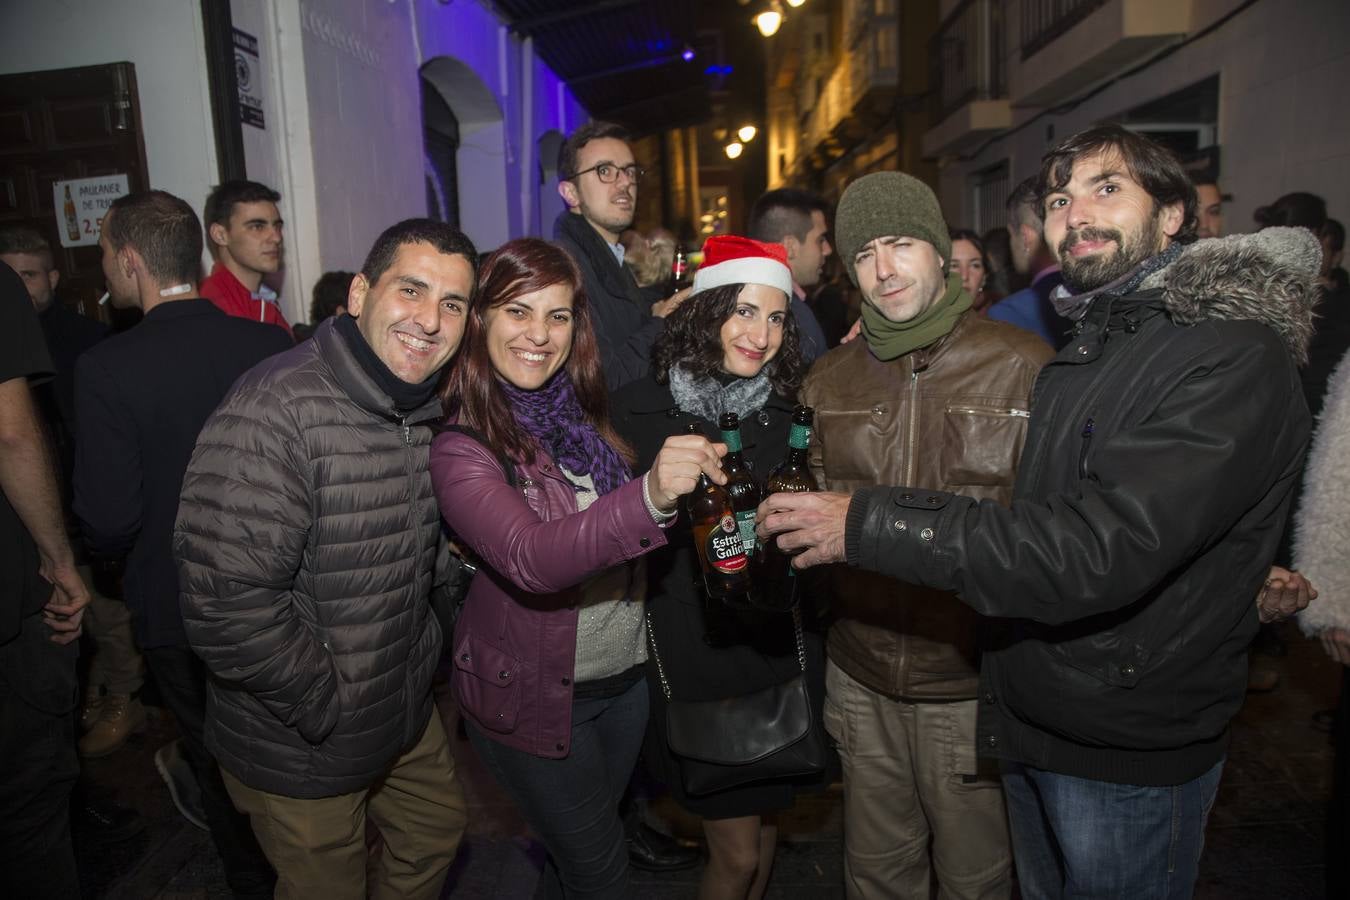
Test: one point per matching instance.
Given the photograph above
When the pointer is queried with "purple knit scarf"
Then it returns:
(553, 416)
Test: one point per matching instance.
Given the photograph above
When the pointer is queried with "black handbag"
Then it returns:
(737, 741)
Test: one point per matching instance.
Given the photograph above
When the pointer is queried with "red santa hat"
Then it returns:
(731, 259)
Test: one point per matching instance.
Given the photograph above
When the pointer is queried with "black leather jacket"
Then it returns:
(1155, 481)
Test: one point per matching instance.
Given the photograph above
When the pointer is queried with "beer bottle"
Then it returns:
(721, 554)
(72, 220)
(679, 270)
(741, 482)
(793, 474)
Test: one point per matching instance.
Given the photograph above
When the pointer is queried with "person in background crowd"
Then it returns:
(548, 651)
(1030, 308)
(1296, 210)
(731, 347)
(328, 299)
(798, 220)
(1003, 276)
(640, 259)
(834, 302)
(42, 603)
(1331, 338)
(664, 244)
(971, 265)
(1208, 206)
(1322, 534)
(243, 229)
(1334, 278)
(1157, 474)
(112, 706)
(598, 180)
(142, 397)
(306, 542)
(949, 391)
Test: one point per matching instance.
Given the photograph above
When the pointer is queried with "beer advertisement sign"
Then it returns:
(80, 205)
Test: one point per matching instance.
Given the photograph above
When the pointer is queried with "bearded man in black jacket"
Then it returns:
(1164, 443)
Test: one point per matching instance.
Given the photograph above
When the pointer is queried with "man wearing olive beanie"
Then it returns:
(933, 396)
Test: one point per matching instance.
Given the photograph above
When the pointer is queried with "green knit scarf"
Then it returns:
(890, 340)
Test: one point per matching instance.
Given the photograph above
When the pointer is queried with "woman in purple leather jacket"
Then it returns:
(549, 649)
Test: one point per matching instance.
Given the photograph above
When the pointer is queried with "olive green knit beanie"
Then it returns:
(888, 204)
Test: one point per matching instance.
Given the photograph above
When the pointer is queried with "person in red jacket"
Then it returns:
(243, 228)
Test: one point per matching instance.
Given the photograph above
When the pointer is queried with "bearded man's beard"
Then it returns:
(1087, 273)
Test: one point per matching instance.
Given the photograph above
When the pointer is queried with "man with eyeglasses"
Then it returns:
(599, 182)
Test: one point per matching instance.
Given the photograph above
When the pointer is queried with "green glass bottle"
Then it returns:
(775, 576)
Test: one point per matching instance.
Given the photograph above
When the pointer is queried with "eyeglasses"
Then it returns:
(608, 173)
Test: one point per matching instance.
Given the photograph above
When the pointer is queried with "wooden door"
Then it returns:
(63, 124)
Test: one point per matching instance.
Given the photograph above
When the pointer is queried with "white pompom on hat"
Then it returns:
(731, 259)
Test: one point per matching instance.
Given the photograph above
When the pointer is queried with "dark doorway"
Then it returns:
(60, 125)
(440, 141)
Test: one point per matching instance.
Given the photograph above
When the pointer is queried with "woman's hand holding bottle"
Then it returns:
(679, 463)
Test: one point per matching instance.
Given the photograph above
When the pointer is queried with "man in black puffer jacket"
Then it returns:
(306, 537)
(1164, 443)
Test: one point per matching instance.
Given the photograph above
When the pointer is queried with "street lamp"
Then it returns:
(769, 21)
(734, 149)
(747, 133)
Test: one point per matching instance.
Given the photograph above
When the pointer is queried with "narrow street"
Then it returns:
(1264, 839)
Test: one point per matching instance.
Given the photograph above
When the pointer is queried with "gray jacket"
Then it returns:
(305, 542)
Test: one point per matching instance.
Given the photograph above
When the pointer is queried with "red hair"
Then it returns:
(472, 390)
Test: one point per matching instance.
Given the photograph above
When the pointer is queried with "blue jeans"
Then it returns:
(1079, 838)
(573, 803)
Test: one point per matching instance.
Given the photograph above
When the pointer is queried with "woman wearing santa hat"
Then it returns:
(731, 347)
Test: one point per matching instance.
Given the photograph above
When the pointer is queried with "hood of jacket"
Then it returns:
(1269, 277)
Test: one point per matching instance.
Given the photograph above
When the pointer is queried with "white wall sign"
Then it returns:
(81, 204)
(248, 77)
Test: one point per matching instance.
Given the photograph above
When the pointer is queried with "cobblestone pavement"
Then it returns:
(1264, 839)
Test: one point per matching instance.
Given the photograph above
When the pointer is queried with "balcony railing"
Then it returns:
(1045, 20)
(967, 55)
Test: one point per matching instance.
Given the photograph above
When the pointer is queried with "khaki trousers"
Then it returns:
(910, 775)
(117, 663)
(318, 847)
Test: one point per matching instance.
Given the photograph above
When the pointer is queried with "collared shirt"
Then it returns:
(617, 250)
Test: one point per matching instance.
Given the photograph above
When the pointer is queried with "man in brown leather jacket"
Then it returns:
(937, 397)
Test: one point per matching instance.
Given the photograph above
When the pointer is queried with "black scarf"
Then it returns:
(1074, 306)
(407, 397)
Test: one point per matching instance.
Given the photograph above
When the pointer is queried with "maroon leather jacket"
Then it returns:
(515, 642)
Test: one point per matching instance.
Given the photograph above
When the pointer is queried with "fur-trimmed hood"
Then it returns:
(1269, 276)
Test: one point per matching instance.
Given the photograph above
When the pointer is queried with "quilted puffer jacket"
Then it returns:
(305, 543)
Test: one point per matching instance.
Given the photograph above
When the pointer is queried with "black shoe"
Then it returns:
(652, 851)
(99, 820)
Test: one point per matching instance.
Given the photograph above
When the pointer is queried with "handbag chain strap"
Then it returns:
(661, 669)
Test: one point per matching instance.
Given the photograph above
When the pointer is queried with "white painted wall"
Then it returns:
(361, 62)
(343, 138)
(1283, 67)
(271, 152)
(163, 39)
